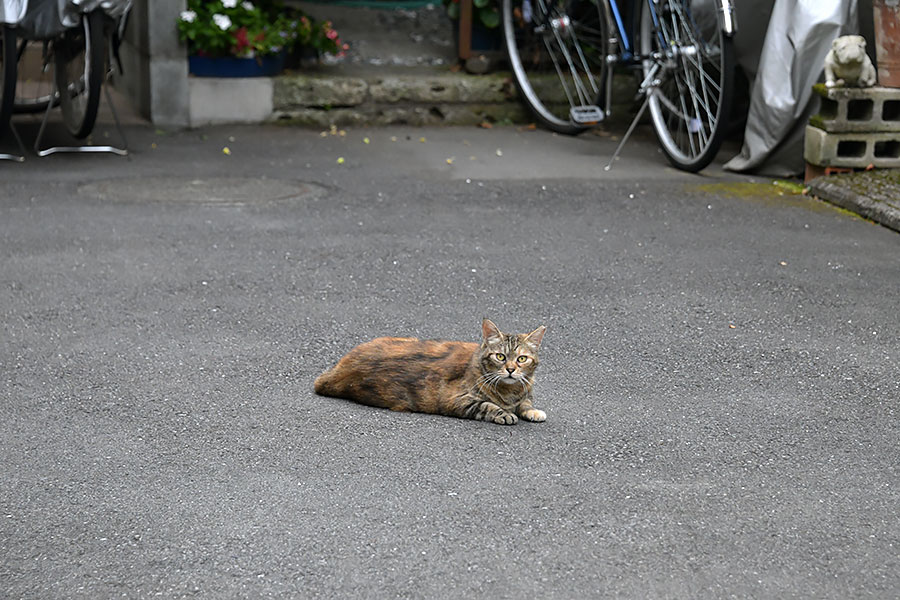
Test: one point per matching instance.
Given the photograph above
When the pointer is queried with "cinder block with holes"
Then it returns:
(843, 110)
(855, 149)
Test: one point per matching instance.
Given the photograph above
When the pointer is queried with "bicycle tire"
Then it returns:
(34, 86)
(79, 58)
(557, 51)
(690, 106)
(7, 74)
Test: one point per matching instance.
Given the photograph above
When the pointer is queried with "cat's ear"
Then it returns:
(490, 332)
(534, 338)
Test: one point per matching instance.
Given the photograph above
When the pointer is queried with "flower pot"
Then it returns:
(301, 57)
(229, 66)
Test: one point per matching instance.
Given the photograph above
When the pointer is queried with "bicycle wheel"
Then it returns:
(7, 74)
(79, 57)
(557, 52)
(34, 87)
(693, 61)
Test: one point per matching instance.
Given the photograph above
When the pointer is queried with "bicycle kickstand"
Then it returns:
(86, 147)
(631, 127)
(16, 157)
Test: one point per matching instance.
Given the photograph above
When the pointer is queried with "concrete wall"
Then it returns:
(155, 63)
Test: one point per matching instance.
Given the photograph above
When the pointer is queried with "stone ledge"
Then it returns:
(325, 91)
(871, 194)
(373, 97)
(397, 114)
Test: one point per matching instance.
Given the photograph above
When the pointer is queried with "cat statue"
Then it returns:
(489, 381)
(847, 63)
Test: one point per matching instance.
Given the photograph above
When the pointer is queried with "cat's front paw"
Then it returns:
(534, 415)
(505, 418)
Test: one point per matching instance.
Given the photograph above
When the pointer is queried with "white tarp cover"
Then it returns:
(798, 36)
(44, 19)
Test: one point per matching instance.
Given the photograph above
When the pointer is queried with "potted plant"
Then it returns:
(233, 38)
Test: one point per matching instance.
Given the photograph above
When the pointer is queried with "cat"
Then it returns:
(492, 381)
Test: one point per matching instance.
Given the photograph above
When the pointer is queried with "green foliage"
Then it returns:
(247, 29)
(487, 12)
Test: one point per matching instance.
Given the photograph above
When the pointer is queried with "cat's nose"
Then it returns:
(510, 370)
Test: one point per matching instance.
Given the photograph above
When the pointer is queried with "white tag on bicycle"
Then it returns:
(526, 11)
(694, 125)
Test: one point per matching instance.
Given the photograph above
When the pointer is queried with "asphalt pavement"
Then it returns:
(720, 373)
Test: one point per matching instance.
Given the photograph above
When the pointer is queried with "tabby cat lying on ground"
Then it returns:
(491, 381)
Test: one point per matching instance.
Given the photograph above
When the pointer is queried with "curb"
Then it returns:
(874, 195)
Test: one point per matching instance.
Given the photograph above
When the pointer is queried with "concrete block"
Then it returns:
(858, 150)
(843, 110)
(229, 100)
(445, 88)
(311, 90)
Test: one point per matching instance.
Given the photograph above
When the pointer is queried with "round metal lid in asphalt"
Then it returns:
(227, 191)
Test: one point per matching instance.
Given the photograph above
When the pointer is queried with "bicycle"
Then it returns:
(7, 74)
(44, 66)
(562, 54)
(77, 56)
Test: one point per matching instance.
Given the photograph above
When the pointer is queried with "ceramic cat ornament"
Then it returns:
(847, 63)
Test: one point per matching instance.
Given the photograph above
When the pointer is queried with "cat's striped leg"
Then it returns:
(485, 410)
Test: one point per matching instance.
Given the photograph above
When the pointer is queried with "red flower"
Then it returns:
(241, 40)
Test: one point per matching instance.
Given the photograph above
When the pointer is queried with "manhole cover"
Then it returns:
(229, 191)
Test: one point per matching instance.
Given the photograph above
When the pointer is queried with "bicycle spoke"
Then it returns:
(559, 72)
(558, 59)
(695, 64)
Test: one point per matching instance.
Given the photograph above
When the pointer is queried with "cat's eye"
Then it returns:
(522, 359)
(500, 357)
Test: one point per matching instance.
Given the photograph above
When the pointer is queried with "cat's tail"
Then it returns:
(324, 384)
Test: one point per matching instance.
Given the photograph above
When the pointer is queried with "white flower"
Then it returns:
(188, 16)
(247, 5)
(222, 21)
(229, 3)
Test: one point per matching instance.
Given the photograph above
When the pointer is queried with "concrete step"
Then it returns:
(365, 95)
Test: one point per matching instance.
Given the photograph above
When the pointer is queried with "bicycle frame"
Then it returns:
(626, 54)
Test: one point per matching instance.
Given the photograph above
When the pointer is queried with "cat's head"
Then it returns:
(509, 359)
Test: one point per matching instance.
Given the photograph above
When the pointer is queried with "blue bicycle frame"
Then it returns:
(724, 12)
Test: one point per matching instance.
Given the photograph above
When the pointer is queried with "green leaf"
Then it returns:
(453, 10)
(480, 3)
(490, 17)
